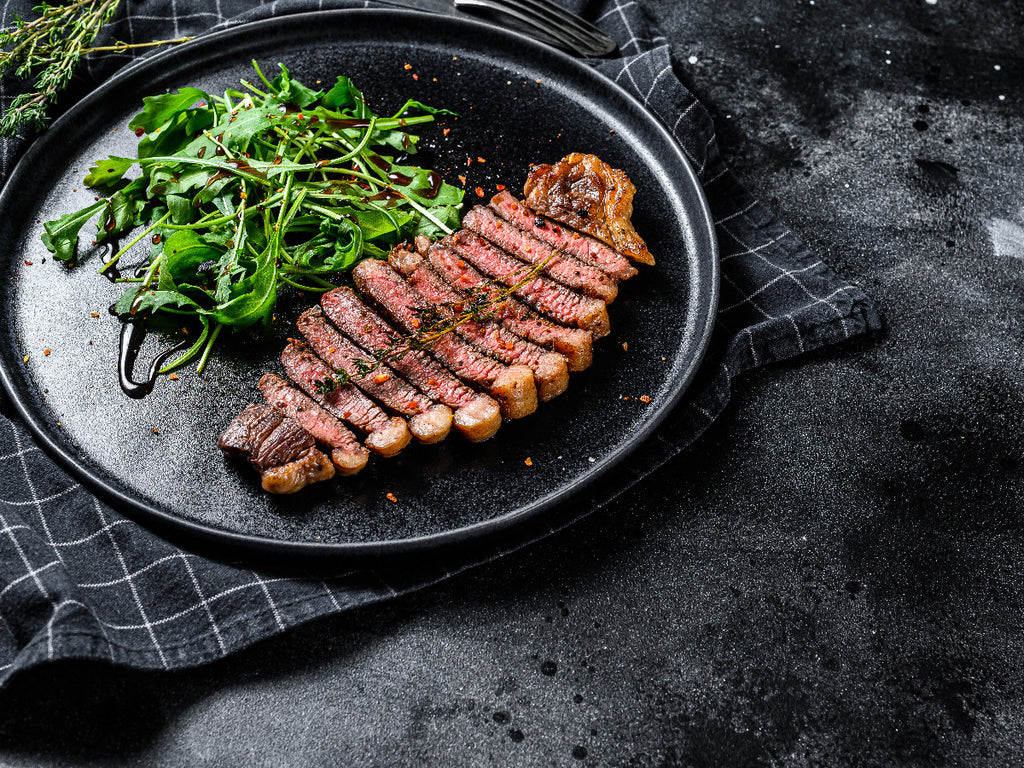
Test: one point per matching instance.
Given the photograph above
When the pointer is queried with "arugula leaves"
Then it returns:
(244, 194)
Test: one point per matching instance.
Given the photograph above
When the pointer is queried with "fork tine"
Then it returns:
(596, 38)
(545, 24)
(528, 21)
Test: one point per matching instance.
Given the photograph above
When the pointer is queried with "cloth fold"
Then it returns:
(79, 580)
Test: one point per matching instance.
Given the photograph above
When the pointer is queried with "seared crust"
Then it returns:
(589, 195)
(311, 467)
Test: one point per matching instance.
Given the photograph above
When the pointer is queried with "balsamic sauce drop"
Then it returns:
(132, 334)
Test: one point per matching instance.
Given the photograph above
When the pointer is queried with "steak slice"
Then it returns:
(550, 370)
(277, 447)
(575, 344)
(587, 249)
(477, 416)
(544, 295)
(429, 422)
(512, 386)
(386, 435)
(560, 265)
(348, 455)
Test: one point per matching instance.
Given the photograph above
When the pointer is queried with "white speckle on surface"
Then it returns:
(888, 61)
(996, 67)
(888, 52)
(1007, 237)
(591, 459)
(692, 59)
(932, 2)
(1002, 97)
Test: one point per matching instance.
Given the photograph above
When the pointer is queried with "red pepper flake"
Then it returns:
(412, 405)
(625, 397)
(28, 263)
(46, 352)
(392, 498)
(140, 132)
(645, 399)
(94, 314)
(407, 65)
(380, 378)
(433, 382)
(173, 377)
(346, 414)
(462, 179)
(500, 187)
(415, 76)
(528, 462)
(446, 131)
(612, 131)
(480, 160)
(156, 431)
(479, 191)
(469, 161)
(625, 346)
(538, 81)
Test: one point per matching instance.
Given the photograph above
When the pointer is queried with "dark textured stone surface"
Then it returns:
(832, 582)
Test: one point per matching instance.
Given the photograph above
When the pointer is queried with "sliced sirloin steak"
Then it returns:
(388, 435)
(575, 344)
(560, 265)
(587, 249)
(544, 295)
(348, 455)
(513, 386)
(429, 422)
(477, 415)
(278, 448)
(550, 369)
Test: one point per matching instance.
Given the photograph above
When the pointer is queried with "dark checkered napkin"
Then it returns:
(79, 580)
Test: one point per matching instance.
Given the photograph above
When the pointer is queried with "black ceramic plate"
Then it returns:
(520, 103)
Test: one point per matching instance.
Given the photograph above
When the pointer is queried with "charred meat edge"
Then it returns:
(348, 455)
(387, 436)
(550, 369)
(477, 415)
(513, 386)
(429, 422)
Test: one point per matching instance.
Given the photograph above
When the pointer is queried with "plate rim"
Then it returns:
(163, 522)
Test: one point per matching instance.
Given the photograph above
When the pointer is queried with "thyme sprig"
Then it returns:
(438, 320)
(48, 50)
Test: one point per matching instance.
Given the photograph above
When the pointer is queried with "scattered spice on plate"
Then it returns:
(528, 462)
(392, 497)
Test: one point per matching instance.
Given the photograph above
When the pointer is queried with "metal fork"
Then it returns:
(548, 22)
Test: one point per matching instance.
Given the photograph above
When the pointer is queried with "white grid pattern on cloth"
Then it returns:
(77, 578)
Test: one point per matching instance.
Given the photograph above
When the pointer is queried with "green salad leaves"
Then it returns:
(242, 194)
